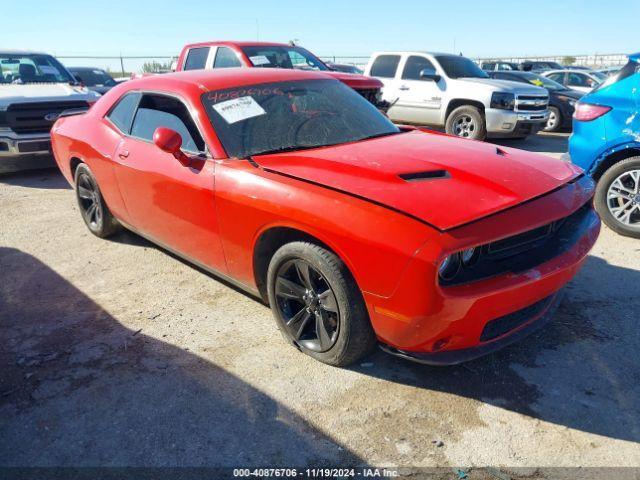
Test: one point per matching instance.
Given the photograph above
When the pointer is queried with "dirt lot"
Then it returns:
(114, 352)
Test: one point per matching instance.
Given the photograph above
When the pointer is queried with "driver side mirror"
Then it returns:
(170, 141)
(429, 74)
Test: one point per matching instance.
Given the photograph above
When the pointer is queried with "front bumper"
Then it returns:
(509, 123)
(24, 151)
(530, 319)
(423, 318)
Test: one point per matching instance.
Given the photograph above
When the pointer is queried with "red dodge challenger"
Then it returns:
(357, 232)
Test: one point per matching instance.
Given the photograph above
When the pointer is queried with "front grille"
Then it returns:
(529, 103)
(524, 251)
(369, 93)
(29, 117)
(502, 325)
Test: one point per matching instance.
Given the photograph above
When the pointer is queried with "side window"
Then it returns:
(122, 114)
(385, 66)
(225, 58)
(557, 77)
(414, 66)
(196, 58)
(579, 80)
(488, 66)
(160, 111)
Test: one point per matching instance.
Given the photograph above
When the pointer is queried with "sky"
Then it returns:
(330, 27)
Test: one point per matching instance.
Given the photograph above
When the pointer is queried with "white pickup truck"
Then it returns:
(451, 91)
(35, 89)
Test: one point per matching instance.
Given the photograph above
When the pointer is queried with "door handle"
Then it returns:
(123, 154)
(403, 87)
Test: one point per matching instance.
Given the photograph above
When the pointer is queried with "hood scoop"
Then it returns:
(423, 176)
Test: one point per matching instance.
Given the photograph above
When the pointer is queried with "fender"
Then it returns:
(606, 153)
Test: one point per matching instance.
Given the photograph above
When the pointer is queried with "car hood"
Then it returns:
(505, 86)
(469, 180)
(355, 81)
(38, 92)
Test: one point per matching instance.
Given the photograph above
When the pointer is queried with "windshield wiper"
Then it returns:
(287, 148)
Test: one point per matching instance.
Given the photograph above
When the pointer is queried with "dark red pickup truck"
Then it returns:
(213, 55)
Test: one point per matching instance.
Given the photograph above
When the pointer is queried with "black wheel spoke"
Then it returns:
(328, 301)
(84, 193)
(321, 330)
(91, 211)
(304, 272)
(288, 289)
(298, 322)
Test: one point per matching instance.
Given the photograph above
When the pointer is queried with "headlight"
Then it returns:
(503, 100)
(572, 103)
(469, 256)
(449, 267)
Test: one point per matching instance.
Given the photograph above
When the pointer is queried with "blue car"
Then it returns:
(606, 144)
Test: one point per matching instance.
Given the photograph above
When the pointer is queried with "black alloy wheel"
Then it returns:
(307, 305)
(94, 210)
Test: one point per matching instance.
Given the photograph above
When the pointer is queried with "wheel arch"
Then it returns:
(74, 162)
(609, 159)
(270, 239)
(459, 102)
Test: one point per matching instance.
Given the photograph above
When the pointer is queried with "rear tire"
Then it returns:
(555, 120)
(317, 305)
(466, 122)
(617, 198)
(95, 213)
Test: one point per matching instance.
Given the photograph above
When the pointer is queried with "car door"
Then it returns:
(419, 99)
(171, 203)
(384, 68)
(580, 81)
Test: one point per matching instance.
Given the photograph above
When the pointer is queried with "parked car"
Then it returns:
(583, 81)
(562, 100)
(214, 55)
(35, 89)
(606, 143)
(451, 91)
(95, 79)
(498, 65)
(610, 70)
(354, 230)
(539, 66)
(343, 67)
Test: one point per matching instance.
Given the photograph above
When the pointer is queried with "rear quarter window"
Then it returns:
(385, 66)
(121, 114)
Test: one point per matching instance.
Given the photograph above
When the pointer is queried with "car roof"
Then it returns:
(568, 70)
(207, 80)
(415, 52)
(230, 43)
(22, 52)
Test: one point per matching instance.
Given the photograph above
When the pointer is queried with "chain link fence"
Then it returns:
(126, 65)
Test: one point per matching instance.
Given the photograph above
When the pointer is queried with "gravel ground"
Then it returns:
(114, 352)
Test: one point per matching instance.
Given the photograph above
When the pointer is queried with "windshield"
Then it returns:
(283, 57)
(93, 77)
(541, 81)
(32, 68)
(460, 67)
(283, 116)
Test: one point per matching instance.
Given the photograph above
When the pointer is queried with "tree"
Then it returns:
(568, 60)
(156, 67)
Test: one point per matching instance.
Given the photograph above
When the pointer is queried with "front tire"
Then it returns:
(94, 210)
(617, 198)
(317, 304)
(555, 120)
(466, 122)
